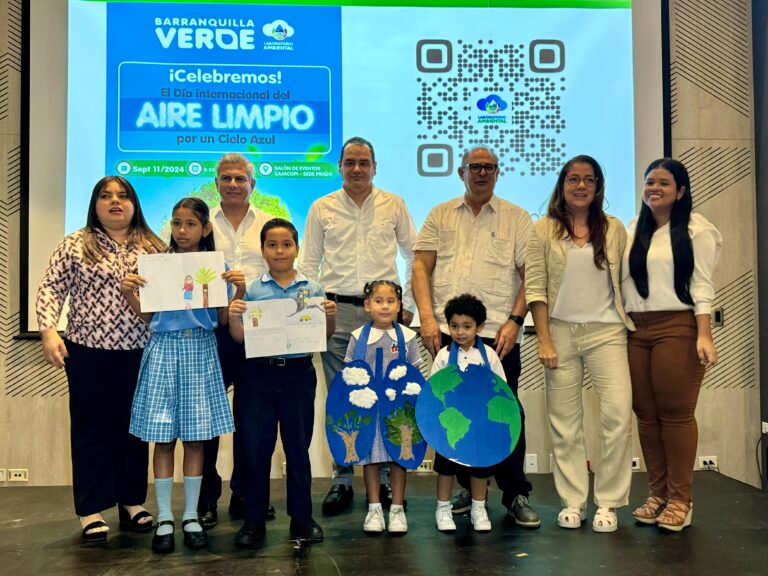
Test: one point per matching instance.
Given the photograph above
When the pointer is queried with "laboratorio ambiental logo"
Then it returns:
(492, 106)
(279, 31)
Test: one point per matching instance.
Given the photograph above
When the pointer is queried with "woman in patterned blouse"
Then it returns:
(101, 353)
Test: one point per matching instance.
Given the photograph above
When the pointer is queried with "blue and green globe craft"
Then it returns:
(360, 399)
(468, 414)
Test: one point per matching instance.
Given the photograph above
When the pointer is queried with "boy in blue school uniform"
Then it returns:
(277, 390)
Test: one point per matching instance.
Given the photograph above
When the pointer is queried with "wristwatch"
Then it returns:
(519, 320)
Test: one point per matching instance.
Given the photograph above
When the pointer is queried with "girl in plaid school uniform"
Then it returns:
(181, 393)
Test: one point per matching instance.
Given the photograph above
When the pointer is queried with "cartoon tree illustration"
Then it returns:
(205, 276)
(402, 430)
(348, 427)
(255, 316)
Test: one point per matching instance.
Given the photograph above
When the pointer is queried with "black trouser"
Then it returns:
(231, 356)
(109, 465)
(270, 396)
(510, 472)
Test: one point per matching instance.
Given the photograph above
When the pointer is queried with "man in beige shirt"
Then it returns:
(476, 244)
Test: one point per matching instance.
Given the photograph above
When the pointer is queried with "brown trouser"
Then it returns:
(666, 378)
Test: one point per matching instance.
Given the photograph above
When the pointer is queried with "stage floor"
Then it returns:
(39, 535)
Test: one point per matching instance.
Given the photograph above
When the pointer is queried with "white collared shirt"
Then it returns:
(376, 334)
(471, 356)
(706, 241)
(346, 246)
(241, 247)
(478, 255)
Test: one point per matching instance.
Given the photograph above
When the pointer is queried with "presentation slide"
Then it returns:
(183, 83)
(158, 91)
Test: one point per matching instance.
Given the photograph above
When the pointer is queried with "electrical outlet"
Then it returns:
(707, 462)
(764, 429)
(2, 474)
(18, 475)
(285, 469)
(532, 463)
(636, 464)
(425, 467)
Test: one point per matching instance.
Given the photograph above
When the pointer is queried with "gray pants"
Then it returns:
(348, 318)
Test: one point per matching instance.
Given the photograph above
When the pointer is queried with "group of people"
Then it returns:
(634, 306)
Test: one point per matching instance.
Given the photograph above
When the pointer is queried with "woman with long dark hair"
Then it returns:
(101, 353)
(669, 294)
(572, 286)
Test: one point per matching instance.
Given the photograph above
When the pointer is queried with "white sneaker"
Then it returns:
(444, 519)
(479, 519)
(374, 521)
(397, 522)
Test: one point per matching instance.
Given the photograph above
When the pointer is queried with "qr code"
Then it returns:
(507, 97)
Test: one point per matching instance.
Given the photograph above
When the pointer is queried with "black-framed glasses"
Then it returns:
(477, 168)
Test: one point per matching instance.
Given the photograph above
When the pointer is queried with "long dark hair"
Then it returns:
(596, 220)
(139, 233)
(200, 209)
(682, 249)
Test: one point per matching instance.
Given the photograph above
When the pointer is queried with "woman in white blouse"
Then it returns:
(572, 286)
(668, 293)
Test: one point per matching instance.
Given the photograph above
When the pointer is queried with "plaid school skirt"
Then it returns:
(181, 393)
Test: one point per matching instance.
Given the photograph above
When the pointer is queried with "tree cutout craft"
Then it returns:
(348, 427)
(402, 430)
(397, 411)
(205, 276)
(350, 421)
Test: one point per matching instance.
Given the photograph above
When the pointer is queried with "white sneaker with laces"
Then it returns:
(479, 519)
(444, 519)
(374, 521)
(398, 524)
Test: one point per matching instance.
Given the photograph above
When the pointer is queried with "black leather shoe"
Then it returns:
(236, 507)
(165, 543)
(338, 499)
(194, 540)
(308, 530)
(208, 516)
(249, 535)
(271, 512)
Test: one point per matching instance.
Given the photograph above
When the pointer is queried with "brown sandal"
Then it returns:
(650, 510)
(676, 516)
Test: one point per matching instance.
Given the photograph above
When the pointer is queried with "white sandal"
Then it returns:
(605, 520)
(571, 518)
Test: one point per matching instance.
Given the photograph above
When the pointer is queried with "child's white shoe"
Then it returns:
(444, 519)
(398, 524)
(479, 519)
(374, 520)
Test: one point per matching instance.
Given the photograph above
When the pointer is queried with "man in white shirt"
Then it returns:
(476, 244)
(236, 232)
(352, 237)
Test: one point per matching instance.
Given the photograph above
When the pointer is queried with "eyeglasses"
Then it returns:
(574, 180)
(477, 168)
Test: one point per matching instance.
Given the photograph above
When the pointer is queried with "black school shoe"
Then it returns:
(194, 540)
(338, 499)
(308, 530)
(165, 543)
(208, 516)
(250, 535)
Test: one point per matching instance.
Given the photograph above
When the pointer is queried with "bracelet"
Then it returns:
(519, 320)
